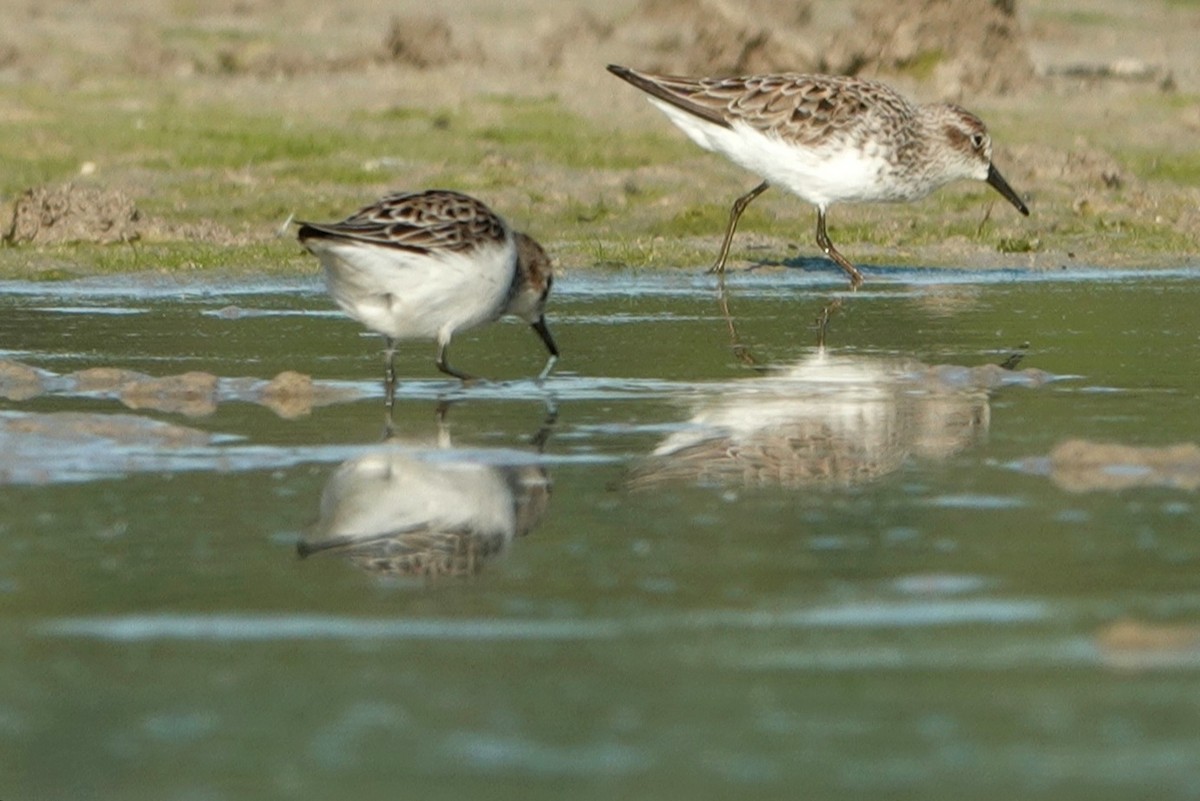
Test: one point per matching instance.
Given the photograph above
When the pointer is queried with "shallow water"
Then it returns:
(884, 568)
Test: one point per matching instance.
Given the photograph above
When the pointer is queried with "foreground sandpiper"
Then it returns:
(426, 265)
(828, 139)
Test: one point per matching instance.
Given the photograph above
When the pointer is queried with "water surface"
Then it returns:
(686, 565)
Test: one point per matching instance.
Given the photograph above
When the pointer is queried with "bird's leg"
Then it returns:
(445, 367)
(735, 214)
(543, 331)
(389, 375)
(389, 387)
(829, 250)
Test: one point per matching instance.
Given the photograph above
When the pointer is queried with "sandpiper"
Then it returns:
(828, 139)
(418, 265)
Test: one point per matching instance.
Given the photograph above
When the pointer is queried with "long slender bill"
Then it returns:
(1000, 185)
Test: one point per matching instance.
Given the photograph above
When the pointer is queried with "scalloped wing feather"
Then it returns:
(423, 222)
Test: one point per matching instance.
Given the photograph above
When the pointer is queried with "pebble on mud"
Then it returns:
(19, 381)
(119, 429)
(1133, 644)
(1082, 466)
(104, 379)
(196, 394)
(193, 394)
(291, 394)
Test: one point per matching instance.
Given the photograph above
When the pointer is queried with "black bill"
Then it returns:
(1000, 185)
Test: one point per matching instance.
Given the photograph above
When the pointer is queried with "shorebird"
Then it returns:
(828, 139)
(426, 265)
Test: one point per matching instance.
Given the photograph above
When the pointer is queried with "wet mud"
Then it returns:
(193, 394)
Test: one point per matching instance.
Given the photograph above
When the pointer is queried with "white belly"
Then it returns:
(414, 296)
(822, 177)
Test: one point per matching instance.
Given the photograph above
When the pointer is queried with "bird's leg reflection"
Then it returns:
(389, 375)
(1014, 358)
(822, 321)
(740, 351)
(441, 415)
(399, 510)
(542, 435)
(389, 424)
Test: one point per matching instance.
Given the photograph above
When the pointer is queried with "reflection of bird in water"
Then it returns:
(837, 420)
(403, 511)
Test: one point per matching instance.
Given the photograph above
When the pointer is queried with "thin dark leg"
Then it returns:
(389, 375)
(1015, 357)
(823, 319)
(740, 351)
(543, 331)
(445, 367)
(735, 214)
(829, 250)
(539, 439)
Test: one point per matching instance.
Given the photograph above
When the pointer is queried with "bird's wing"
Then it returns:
(422, 222)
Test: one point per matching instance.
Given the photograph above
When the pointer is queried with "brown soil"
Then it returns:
(69, 214)
(421, 42)
(710, 36)
(970, 46)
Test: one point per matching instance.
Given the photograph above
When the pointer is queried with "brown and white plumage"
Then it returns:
(429, 264)
(402, 509)
(829, 419)
(420, 222)
(827, 139)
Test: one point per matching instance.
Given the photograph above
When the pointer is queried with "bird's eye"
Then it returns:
(977, 140)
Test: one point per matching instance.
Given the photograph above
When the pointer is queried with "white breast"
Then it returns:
(822, 176)
(413, 296)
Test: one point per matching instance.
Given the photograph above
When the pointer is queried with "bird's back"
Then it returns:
(417, 264)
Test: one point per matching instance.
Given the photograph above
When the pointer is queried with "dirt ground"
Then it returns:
(1094, 110)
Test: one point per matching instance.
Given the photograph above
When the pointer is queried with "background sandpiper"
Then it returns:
(828, 139)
